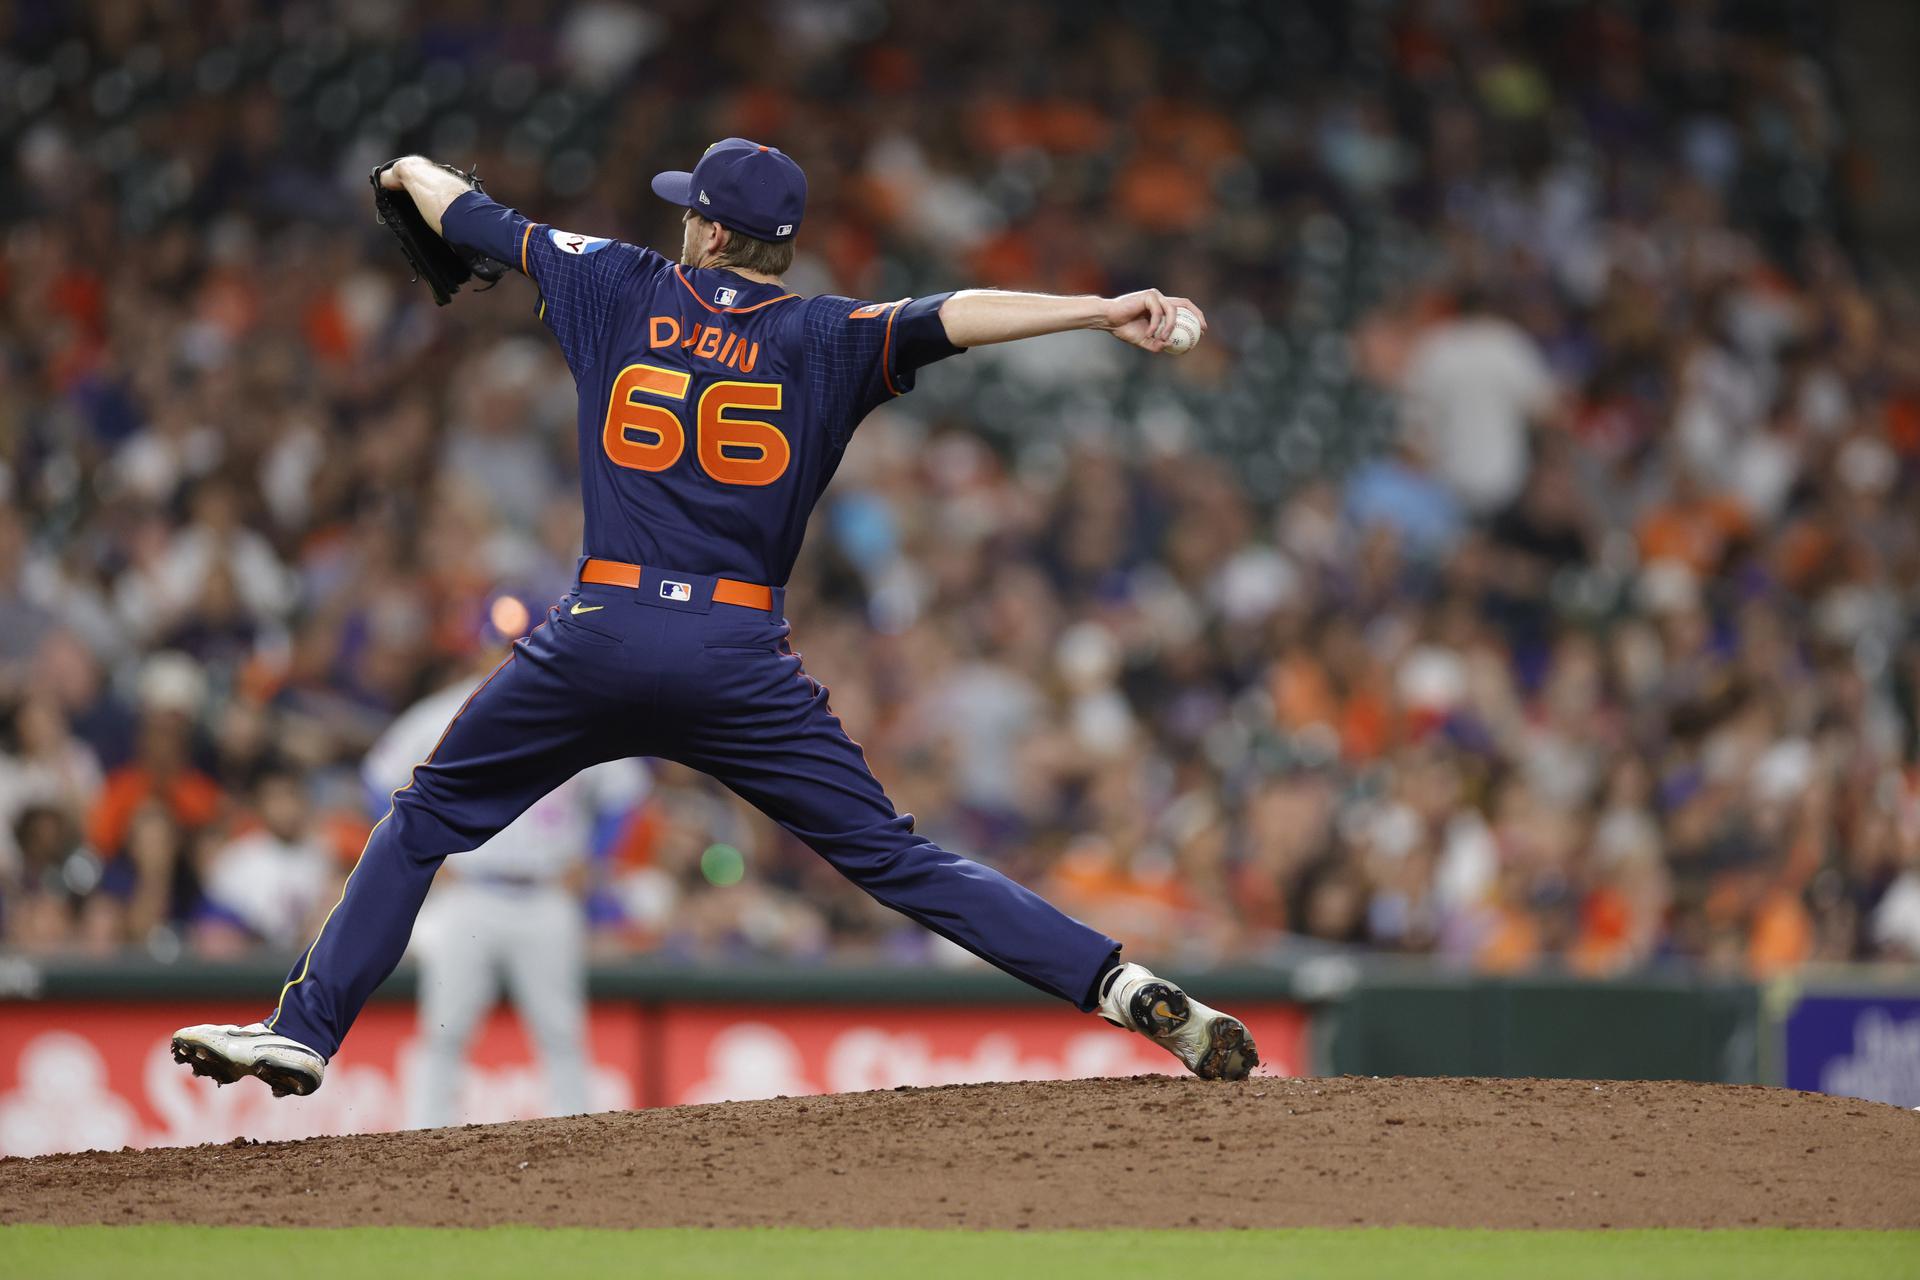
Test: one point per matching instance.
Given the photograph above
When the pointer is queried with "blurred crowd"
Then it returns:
(1520, 574)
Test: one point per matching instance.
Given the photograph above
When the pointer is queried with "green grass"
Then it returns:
(286, 1254)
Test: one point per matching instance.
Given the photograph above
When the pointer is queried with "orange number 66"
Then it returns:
(733, 450)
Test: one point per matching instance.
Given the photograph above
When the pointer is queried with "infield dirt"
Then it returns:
(1151, 1151)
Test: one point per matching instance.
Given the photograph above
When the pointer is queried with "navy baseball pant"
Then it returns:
(662, 670)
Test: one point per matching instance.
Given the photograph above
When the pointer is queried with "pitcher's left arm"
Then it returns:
(579, 276)
(432, 188)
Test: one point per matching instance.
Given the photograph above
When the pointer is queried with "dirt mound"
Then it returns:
(1146, 1152)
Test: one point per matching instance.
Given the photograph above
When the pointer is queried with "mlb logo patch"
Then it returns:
(670, 590)
(725, 297)
(784, 229)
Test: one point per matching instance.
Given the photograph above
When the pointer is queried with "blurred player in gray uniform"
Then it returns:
(509, 908)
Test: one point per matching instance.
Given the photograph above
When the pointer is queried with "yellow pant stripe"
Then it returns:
(308, 963)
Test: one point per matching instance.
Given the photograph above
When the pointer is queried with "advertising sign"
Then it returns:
(732, 1053)
(99, 1074)
(1862, 1046)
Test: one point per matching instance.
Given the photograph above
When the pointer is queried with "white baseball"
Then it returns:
(1186, 332)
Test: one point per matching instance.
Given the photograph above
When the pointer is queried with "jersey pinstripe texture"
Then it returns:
(580, 294)
(738, 398)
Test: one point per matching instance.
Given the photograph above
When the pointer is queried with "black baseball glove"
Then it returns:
(445, 267)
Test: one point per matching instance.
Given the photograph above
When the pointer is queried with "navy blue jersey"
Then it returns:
(713, 409)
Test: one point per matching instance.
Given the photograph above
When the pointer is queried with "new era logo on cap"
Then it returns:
(703, 198)
(670, 590)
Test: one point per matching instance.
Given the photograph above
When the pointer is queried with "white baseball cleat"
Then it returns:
(228, 1053)
(1214, 1045)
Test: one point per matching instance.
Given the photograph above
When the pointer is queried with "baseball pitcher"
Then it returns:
(714, 408)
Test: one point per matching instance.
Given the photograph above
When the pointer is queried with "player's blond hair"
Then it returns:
(769, 257)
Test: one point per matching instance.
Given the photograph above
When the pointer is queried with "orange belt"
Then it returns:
(618, 573)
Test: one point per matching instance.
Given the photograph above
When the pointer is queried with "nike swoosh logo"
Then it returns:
(587, 608)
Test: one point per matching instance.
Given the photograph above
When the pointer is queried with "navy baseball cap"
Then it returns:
(743, 186)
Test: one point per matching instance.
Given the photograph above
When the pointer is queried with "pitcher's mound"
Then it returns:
(1147, 1152)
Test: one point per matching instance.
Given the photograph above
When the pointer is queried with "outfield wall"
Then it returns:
(84, 1059)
